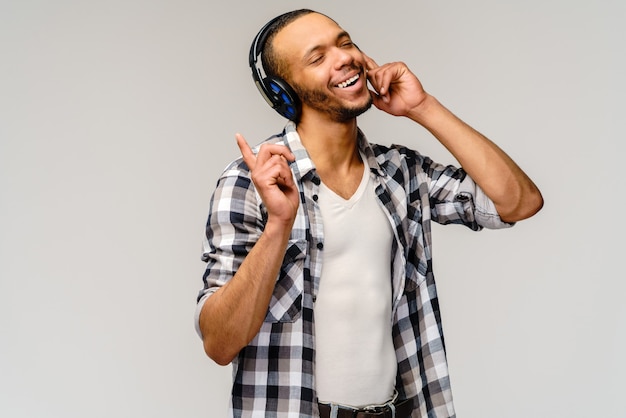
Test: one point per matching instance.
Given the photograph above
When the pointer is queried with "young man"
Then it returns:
(319, 285)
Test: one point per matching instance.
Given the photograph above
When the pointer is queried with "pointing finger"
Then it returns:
(246, 151)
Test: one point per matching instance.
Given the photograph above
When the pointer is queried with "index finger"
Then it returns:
(370, 63)
(246, 152)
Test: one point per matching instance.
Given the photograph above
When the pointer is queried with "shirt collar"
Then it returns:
(303, 164)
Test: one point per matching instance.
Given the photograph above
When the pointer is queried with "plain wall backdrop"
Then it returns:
(116, 118)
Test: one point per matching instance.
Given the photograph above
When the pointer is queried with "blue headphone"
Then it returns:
(276, 91)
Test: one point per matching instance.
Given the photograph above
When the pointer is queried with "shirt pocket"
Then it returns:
(418, 253)
(286, 302)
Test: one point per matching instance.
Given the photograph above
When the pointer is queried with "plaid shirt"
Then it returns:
(274, 375)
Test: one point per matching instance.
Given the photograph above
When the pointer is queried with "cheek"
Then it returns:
(311, 96)
(312, 78)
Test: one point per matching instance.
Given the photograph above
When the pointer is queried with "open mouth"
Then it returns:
(349, 82)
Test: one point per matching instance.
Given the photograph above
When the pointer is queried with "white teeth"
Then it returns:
(348, 82)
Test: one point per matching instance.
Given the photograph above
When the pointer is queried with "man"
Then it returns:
(319, 285)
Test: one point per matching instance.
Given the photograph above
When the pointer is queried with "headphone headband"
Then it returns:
(276, 92)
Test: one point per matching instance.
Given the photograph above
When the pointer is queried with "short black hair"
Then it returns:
(272, 64)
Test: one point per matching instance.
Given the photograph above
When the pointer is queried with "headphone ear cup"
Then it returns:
(284, 99)
(276, 91)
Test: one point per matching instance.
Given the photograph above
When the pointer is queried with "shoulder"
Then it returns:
(394, 157)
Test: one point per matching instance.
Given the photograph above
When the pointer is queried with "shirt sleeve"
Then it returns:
(234, 225)
(485, 212)
(452, 195)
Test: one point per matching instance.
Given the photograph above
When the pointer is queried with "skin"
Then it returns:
(320, 55)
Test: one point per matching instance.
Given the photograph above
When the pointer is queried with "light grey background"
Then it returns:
(116, 118)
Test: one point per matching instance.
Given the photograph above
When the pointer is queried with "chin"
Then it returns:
(347, 113)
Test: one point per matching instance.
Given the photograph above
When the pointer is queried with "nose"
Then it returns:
(344, 57)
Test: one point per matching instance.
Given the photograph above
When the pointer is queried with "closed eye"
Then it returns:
(316, 60)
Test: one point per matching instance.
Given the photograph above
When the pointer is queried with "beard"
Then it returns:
(322, 101)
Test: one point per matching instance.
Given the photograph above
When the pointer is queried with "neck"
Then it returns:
(331, 145)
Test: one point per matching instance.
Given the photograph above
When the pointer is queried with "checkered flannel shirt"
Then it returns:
(274, 375)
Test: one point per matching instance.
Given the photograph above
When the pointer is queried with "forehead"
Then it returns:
(306, 32)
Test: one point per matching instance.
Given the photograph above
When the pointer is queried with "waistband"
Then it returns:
(393, 409)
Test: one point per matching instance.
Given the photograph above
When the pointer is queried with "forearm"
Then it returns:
(233, 315)
(515, 196)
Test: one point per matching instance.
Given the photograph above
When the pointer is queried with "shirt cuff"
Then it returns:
(485, 210)
(199, 306)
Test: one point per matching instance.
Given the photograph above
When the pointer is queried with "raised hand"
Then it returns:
(397, 90)
(272, 177)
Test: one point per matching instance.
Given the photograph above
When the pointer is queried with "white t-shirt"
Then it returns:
(355, 358)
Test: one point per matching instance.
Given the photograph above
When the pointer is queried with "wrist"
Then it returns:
(277, 228)
(425, 110)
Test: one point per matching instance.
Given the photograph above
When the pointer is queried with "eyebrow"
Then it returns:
(310, 51)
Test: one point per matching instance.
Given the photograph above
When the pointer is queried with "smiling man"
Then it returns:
(319, 286)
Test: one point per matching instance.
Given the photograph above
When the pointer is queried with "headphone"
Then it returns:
(276, 92)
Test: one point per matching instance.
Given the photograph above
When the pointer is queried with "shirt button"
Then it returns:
(315, 197)
(320, 245)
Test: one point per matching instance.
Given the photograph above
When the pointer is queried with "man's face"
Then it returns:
(326, 69)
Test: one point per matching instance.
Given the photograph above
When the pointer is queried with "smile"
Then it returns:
(349, 82)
